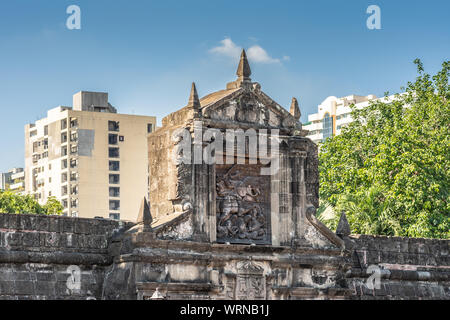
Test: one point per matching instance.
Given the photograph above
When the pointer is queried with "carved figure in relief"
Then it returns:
(236, 219)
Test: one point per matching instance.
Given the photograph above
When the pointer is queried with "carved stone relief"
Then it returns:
(250, 282)
(243, 204)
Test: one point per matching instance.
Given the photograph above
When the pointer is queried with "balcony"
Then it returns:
(19, 175)
(18, 185)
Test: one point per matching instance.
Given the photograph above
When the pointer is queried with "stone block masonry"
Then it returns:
(38, 254)
(410, 268)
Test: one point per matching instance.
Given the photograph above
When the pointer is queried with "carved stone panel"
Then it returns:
(243, 204)
(250, 282)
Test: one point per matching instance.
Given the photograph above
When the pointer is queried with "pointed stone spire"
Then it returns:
(343, 228)
(295, 110)
(243, 71)
(157, 295)
(194, 101)
(145, 216)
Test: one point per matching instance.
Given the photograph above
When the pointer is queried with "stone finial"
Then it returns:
(243, 71)
(343, 228)
(145, 216)
(295, 110)
(157, 295)
(194, 101)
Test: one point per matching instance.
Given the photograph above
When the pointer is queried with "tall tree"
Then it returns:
(389, 169)
(14, 203)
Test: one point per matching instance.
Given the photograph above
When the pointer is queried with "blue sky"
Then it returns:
(147, 53)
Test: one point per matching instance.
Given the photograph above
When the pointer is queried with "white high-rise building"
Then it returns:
(334, 113)
(13, 180)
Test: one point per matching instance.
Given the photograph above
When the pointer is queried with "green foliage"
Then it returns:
(389, 169)
(53, 206)
(14, 203)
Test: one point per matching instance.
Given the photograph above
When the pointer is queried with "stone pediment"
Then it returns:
(246, 105)
(270, 201)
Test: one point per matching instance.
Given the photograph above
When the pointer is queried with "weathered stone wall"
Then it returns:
(199, 270)
(38, 254)
(410, 268)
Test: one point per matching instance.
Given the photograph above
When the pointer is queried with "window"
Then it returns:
(114, 216)
(327, 126)
(64, 137)
(45, 155)
(36, 157)
(73, 149)
(121, 138)
(35, 146)
(114, 152)
(114, 204)
(74, 190)
(45, 144)
(149, 127)
(64, 164)
(114, 179)
(63, 151)
(65, 204)
(74, 203)
(63, 124)
(113, 125)
(49, 193)
(112, 138)
(64, 177)
(45, 130)
(64, 190)
(73, 176)
(50, 166)
(114, 166)
(73, 163)
(33, 133)
(74, 137)
(114, 191)
(73, 122)
(50, 180)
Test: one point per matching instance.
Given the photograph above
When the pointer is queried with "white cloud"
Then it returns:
(255, 53)
(228, 48)
(259, 55)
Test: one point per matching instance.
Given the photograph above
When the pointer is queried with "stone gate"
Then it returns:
(224, 221)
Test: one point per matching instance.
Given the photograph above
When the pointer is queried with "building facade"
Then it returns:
(332, 114)
(13, 180)
(89, 157)
(5, 178)
(335, 113)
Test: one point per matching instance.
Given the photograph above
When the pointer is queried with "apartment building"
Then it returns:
(13, 180)
(91, 158)
(332, 114)
(335, 113)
